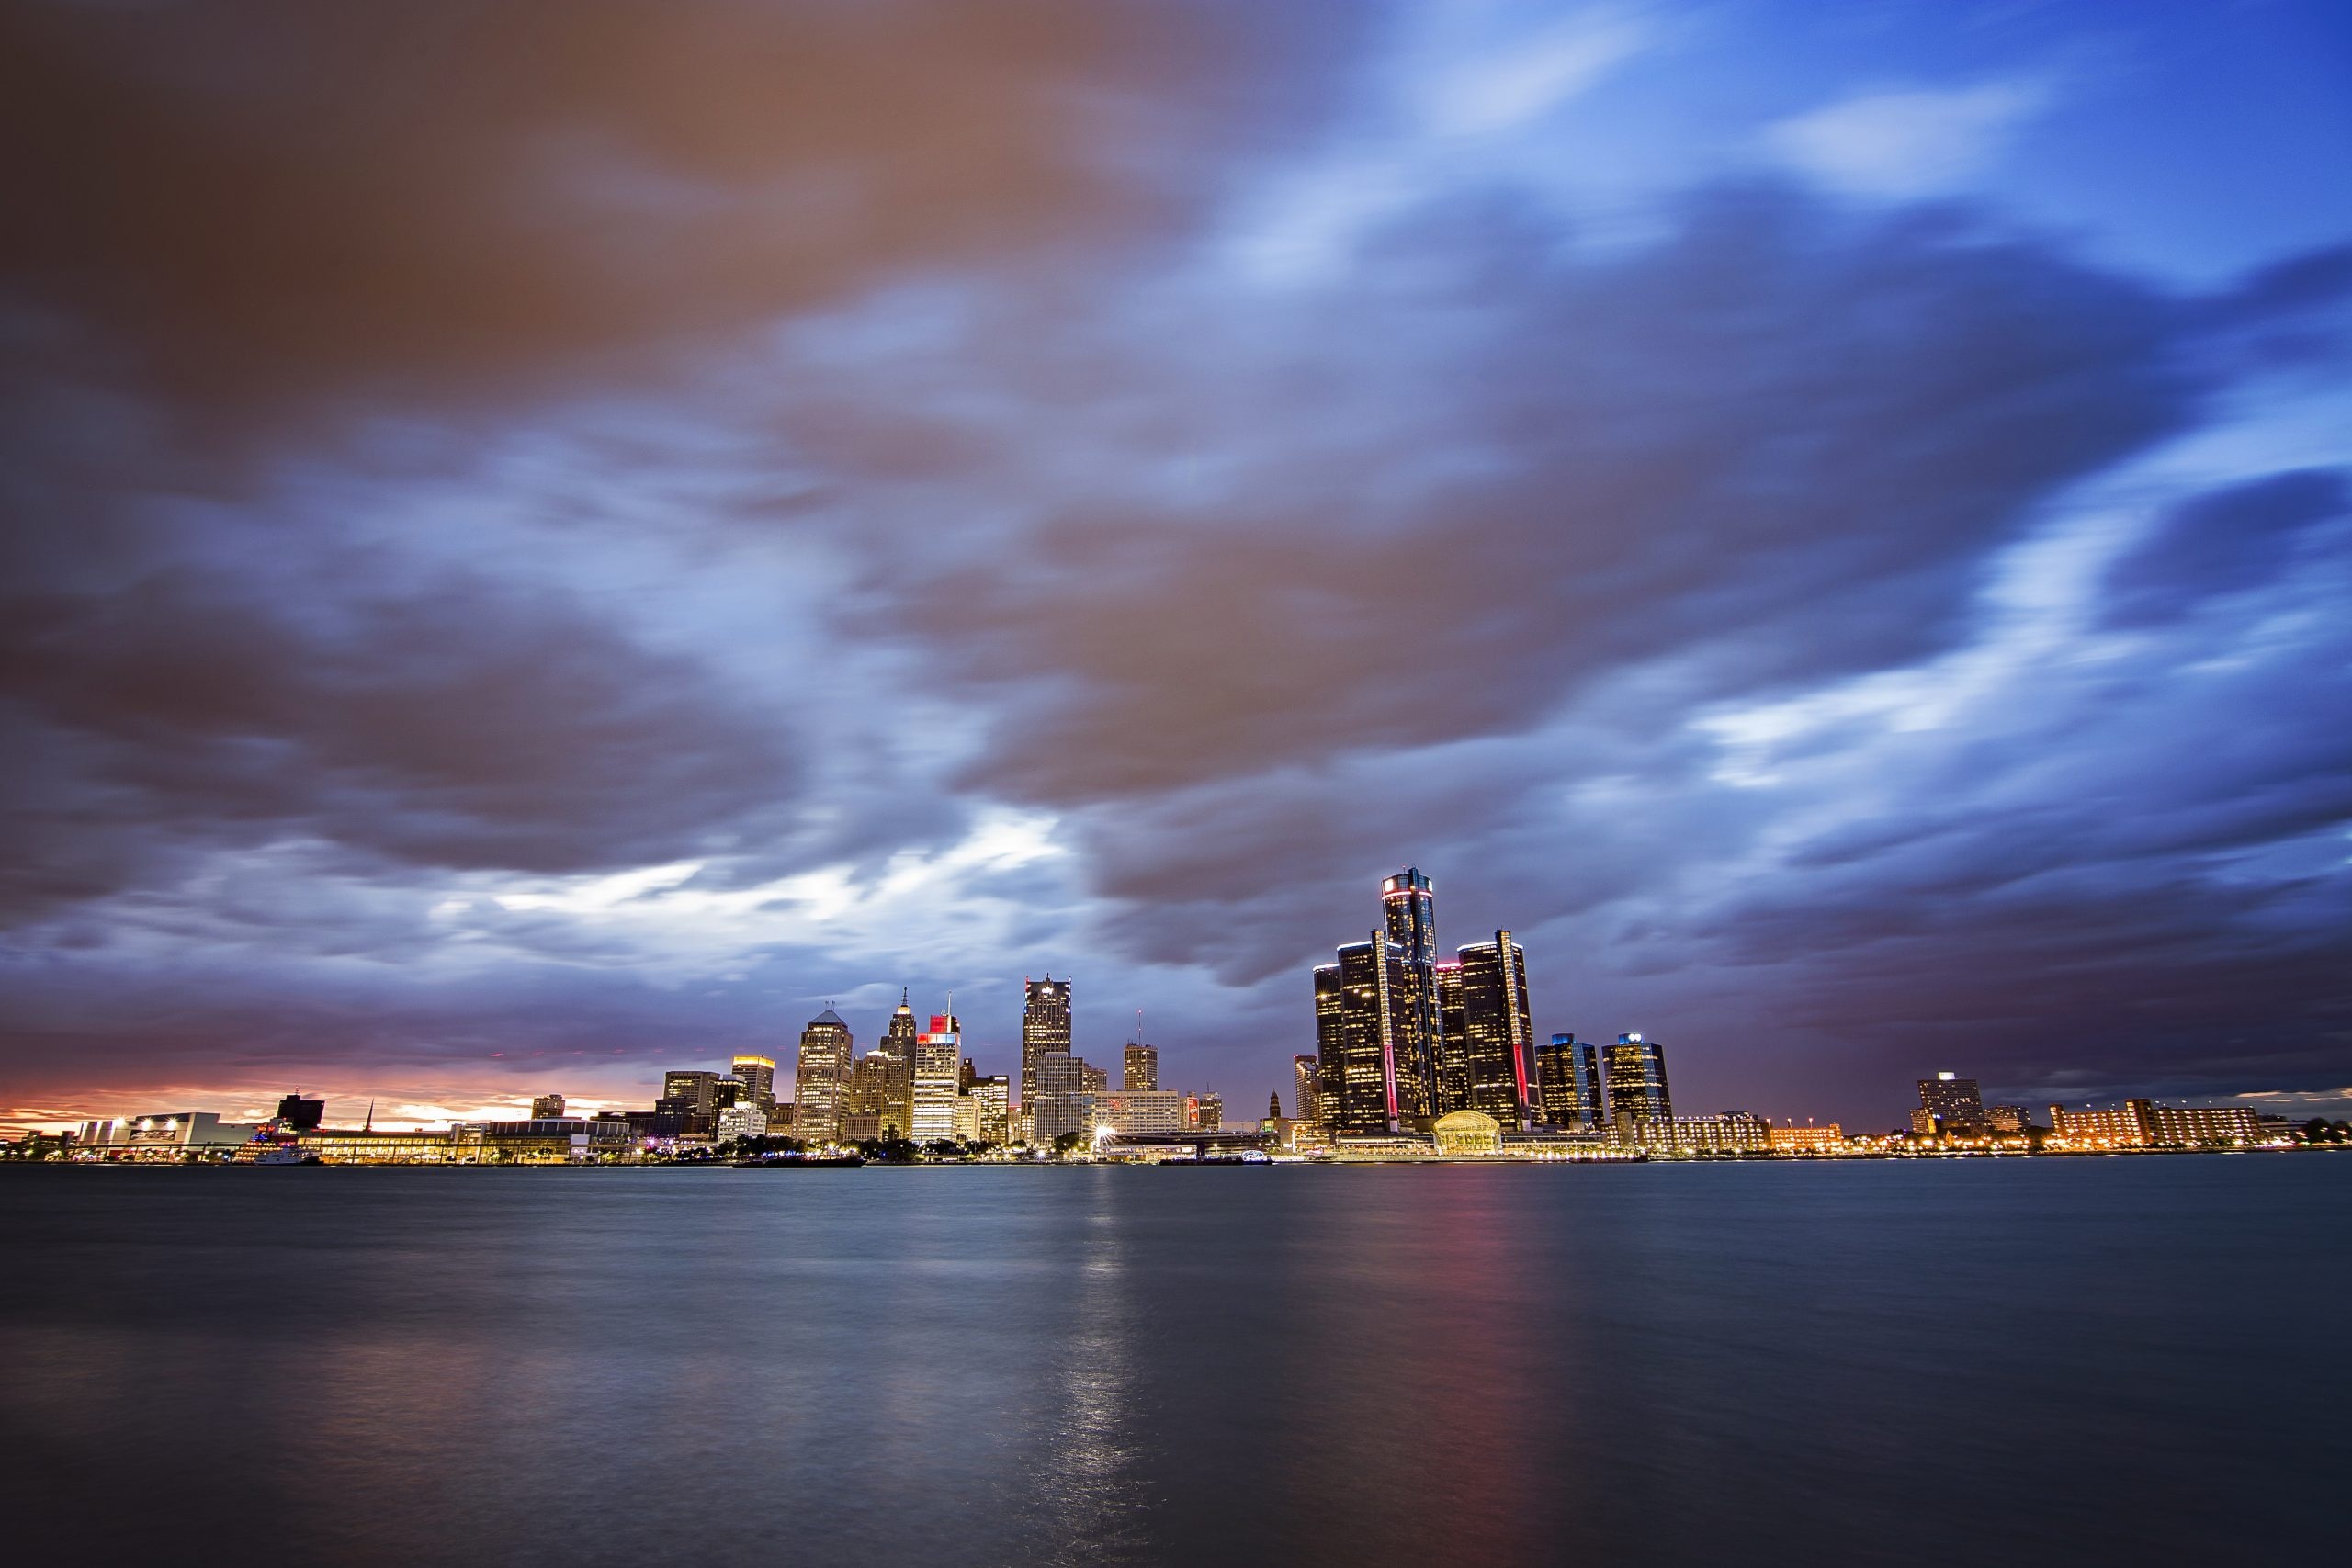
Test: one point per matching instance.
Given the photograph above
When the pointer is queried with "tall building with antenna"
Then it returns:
(1140, 1069)
(820, 1084)
(1044, 1028)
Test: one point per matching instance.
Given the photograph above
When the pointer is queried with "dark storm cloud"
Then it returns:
(2233, 539)
(461, 726)
(271, 202)
(1780, 440)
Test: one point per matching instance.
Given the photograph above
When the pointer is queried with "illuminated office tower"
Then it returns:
(1370, 1079)
(900, 1037)
(1307, 1095)
(1635, 1071)
(937, 1078)
(1568, 1082)
(994, 1096)
(1097, 1080)
(696, 1092)
(1044, 1028)
(1498, 1042)
(547, 1108)
(757, 1074)
(1410, 904)
(1949, 1103)
(1062, 1104)
(880, 1101)
(1140, 1071)
(820, 1087)
(965, 1077)
(1449, 1090)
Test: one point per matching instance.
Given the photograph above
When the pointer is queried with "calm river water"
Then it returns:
(2063, 1360)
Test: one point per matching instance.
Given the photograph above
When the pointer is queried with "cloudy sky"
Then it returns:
(547, 542)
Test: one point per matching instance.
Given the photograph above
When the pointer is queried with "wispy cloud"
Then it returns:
(1907, 143)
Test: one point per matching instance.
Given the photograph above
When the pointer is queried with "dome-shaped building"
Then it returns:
(1468, 1133)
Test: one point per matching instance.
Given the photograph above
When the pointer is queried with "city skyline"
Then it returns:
(1835, 523)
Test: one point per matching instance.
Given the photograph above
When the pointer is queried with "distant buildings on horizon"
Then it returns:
(1416, 1055)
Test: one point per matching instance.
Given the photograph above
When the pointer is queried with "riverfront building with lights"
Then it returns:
(820, 1087)
(1634, 1070)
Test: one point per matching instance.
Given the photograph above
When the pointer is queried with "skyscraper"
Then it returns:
(697, 1091)
(1307, 1094)
(821, 1085)
(1498, 1041)
(304, 1115)
(1409, 905)
(1949, 1103)
(546, 1107)
(1568, 1082)
(1370, 1079)
(757, 1074)
(1044, 1028)
(902, 1032)
(1140, 1071)
(880, 1101)
(1062, 1104)
(938, 1074)
(994, 1096)
(1451, 1090)
(1635, 1070)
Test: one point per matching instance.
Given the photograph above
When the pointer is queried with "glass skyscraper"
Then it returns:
(1497, 1040)
(1370, 1079)
(1635, 1069)
(1045, 1029)
(1568, 1082)
(1410, 904)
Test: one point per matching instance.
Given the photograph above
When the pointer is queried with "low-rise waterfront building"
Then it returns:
(1808, 1139)
(2143, 1124)
(745, 1118)
(1733, 1132)
(1464, 1133)
(164, 1133)
(552, 1140)
(370, 1145)
(1129, 1112)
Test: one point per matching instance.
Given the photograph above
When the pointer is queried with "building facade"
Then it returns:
(1634, 1072)
(1568, 1083)
(1306, 1092)
(757, 1074)
(820, 1084)
(1045, 1027)
(694, 1091)
(1408, 904)
(1131, 1112)
(938, 1078)
(1139, 1068)
(744, 1119)
(1467, 1133)
(1499, 1040)
(1062, 1104)
(1735, 1133)
(2143, 1124)
(1373, 1078)
(1950, 1104)
(993, 1098)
